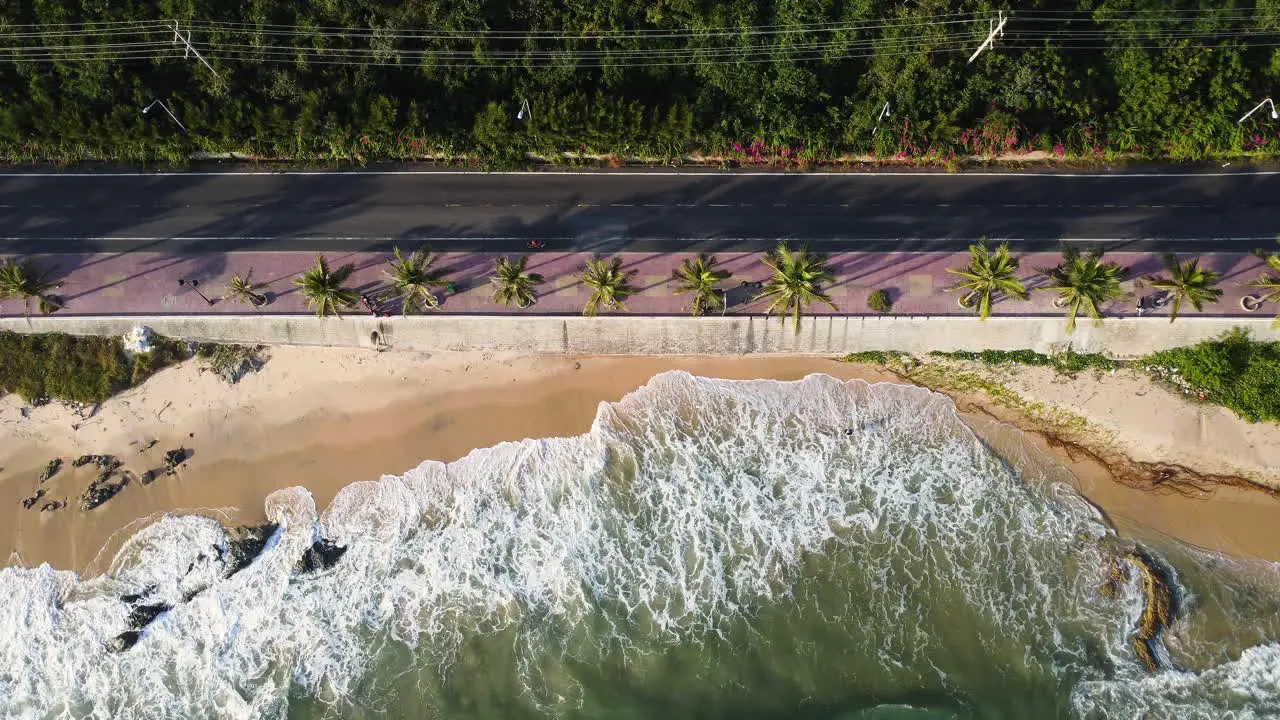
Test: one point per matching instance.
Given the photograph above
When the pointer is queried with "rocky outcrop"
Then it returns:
(51, 469)
(322, 555)
(1160, 602)
(141, 614)
(106, 486)
(245, 543)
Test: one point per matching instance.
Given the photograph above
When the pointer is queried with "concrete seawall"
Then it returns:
(644, 335)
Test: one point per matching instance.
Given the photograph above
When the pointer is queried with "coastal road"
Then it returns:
(635, 211)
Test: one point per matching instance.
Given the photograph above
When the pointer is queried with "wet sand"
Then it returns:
(323, 418)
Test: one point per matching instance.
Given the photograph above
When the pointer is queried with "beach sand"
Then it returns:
(323, 418)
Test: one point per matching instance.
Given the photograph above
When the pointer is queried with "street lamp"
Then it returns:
(1274, 115)
(166, 109)
(195, 285)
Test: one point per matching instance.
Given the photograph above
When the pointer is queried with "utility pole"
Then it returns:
(1274, 114)
(991, 36)
(157, 101)
(190, 49)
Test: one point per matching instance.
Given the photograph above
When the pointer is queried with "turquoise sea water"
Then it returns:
(711, 549)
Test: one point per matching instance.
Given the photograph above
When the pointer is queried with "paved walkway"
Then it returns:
(147, 283)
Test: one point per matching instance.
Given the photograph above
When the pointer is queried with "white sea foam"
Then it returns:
(691, 505)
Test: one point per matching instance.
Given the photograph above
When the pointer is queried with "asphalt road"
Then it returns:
(607, 212)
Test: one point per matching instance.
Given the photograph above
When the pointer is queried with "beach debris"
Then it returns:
(106, 486)
(51, 469)
(53, 505)
(245, 543)
(28, 503)
(139, 340)
(322, 555)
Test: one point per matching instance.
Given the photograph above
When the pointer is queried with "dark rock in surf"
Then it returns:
(322, 555)
(143, 615)
(123, 641)
(53, 505)
(245, 543)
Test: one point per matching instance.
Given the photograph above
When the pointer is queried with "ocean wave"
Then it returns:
(862, 532)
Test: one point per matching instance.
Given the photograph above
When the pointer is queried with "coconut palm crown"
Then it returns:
(609, 285)
(798, 276)
(1269, 281)
(414, 277)
(1187, 282)
(988, 275)
(241, 289)
(326, 290)
(700, 277)
(1084, 283)
(513, 285)
(24, 280)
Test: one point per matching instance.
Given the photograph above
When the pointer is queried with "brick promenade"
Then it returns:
(147, 283)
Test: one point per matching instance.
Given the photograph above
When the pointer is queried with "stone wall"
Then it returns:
(642, 335)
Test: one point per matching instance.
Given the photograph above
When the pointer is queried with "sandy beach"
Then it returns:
(323, 418)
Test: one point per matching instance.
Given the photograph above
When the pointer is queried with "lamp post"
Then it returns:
(195, 285)
(1274, 115)
(166, 109)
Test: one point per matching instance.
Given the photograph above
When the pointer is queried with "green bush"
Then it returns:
(54, 366)
(1234, 371)
(880, 301)
(88, 370)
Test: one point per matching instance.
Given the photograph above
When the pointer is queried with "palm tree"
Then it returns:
(797, 281)
(414, 277)
(1084, 283)
(513, 285)
(608, 283)
(1187, 282)
(988, 275)
(26, 281)
(700, 277)
(241, 288)
(1268, 282)
(325, 290)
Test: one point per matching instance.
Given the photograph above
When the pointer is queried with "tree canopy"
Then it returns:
(756, 82)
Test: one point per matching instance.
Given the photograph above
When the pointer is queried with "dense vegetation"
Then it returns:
(1067, 363)
(1234, 371)
(87, 370)
(752, 82)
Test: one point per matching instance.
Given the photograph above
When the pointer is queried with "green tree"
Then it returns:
(513, 285)
(413, 279)
(1187, 282)
(241, 289)
(326, 290)
(1269, 282)
(609, 283)
(988, 275)
(1084, 283)
(700, 277)
(24, 280)
(797, 281)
